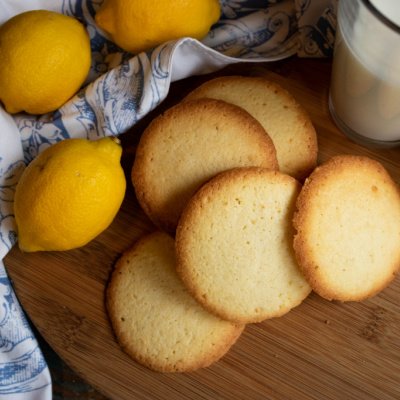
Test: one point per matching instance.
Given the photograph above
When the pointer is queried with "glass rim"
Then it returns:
(389, 23)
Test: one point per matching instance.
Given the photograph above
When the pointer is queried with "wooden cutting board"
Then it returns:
(320, 350)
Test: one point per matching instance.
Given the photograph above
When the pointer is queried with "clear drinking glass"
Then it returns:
(364, 96)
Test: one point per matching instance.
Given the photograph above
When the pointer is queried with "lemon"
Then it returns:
(45, 58)
(138, 25)
(69, 194)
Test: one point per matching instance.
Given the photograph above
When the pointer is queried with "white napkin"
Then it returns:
(23, 370)
(120, 90)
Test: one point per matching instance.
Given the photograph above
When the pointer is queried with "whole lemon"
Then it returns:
(45, 58)
(138, 25)
(69, 194)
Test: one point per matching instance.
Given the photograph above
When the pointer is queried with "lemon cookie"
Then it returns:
(286, 122)
(234, 245)
(189, 144)
(348, 230)
(155, 319)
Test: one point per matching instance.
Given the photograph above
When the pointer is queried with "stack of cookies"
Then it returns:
(248, 224)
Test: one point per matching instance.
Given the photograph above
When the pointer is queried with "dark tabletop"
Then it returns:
(67, 385)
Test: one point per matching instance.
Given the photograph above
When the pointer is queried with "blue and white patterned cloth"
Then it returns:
(120, 90)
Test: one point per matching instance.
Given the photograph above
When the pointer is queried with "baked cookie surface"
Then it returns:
(234, 245)
(286, 122)
(189, 144)
(155, 319)
(348, 228)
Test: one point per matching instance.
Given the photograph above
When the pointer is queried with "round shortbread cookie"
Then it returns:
(234, 245)
(286, 122)
(155, 319)
(189, 144)
(348, 228)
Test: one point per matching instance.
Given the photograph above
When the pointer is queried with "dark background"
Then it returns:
(67, 385)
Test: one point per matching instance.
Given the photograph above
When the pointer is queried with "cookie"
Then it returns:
(347, 223)
(189, 144)
(234, 245)
(155, 319)
(286, 122)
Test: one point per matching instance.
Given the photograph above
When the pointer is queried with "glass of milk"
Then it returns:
(364, 96)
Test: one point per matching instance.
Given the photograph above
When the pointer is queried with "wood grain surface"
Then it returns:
(320, 350)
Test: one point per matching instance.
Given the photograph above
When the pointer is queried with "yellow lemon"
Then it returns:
(138, 25)
(69, 194)
(45, 58)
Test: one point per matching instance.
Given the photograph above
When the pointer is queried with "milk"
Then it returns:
(365, 87)
(389, 8)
